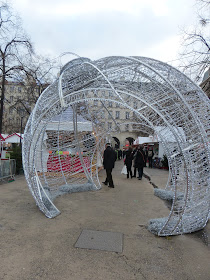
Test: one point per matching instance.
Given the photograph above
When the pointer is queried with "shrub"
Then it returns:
(17, 155)
(164, 161)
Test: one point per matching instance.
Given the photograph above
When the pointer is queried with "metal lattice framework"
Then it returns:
(65, 134)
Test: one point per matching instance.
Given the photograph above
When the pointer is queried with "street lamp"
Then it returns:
(21, 128)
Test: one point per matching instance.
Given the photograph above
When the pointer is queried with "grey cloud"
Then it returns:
(103, 33)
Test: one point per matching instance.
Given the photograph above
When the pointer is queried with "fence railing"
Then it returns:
(7, 168)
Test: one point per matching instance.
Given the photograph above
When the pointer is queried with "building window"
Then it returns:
(117, 105)
(19, 89)
(109, 125)
(135, 105)
(127, 115)
(11, 99)
(12, 89)
(127, 127)
(11, 110)
(110, 94)
(102, 124)
(21, 111)
(117, 126)
(117, 114)
(110, 103)
(95, 114)
(95, 102)
(110, 115)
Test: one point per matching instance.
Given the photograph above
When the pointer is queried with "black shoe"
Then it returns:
(139, 178)
(105, 183)
(111, 186)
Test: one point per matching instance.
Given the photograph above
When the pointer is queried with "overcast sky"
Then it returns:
(99, 28)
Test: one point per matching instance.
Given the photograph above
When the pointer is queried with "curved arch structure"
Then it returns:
(65, 134)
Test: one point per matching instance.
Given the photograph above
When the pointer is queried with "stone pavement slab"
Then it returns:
(100, 240)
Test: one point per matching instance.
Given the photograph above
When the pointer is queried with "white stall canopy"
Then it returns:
(64, 121)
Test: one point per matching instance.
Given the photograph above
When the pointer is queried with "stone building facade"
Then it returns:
(19, 101)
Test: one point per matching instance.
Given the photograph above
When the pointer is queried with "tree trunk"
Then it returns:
(2, 94)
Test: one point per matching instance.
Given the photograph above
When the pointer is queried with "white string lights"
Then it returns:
(65, 134)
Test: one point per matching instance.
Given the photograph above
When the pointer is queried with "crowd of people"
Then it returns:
(135, 159)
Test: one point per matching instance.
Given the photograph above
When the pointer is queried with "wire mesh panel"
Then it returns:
(7, 169)
(65, 134)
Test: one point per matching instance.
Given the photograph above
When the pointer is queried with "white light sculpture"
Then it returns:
(65, 134)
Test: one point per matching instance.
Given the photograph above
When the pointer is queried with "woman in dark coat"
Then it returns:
(140, 161)
(134, 162)
(128, 161)
(108, 163)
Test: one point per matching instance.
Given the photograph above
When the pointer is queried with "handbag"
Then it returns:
(124, 170)
(99, 160)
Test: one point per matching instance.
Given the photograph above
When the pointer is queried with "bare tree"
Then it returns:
(14, 45)
(196, 44)
(38, 73)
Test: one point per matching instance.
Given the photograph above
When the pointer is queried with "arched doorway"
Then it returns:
(153, 96)
(130, 140)
(117, 142)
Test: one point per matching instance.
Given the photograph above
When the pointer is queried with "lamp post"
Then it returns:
(21, 128)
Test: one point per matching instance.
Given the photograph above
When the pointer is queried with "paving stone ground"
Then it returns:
(34, 247)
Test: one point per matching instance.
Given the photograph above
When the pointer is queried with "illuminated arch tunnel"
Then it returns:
(65, 134)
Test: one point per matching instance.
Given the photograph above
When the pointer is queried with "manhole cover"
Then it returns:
(100, 240)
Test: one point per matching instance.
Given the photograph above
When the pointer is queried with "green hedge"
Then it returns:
(17, 155)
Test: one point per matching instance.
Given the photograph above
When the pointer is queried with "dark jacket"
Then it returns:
(140, 159)
(109, 158)
(128, 158)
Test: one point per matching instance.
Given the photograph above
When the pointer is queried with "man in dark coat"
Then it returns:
(128, 161)
(140, 160)
(134, 161)
(108, 163)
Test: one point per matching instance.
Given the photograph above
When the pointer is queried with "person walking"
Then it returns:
(134, 162)
(140, 160)
(128, 161)
(109, 159)
(150, 156)
(146, 156)
(120, 154)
